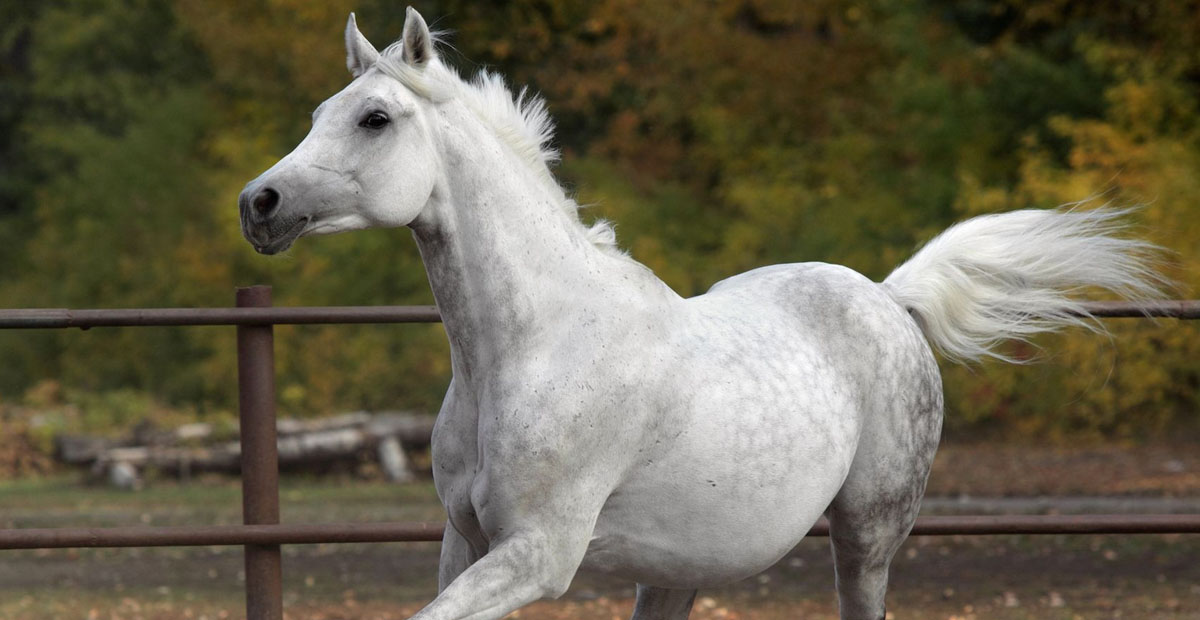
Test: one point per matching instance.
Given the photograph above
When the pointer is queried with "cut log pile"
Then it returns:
(383, 438)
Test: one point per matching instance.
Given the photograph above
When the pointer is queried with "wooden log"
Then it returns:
(305, 448)
(81, 449)
(193, 432)
(413, 430)
(302, 443)
(320, 446)
(292, 426)
(225, 457)
(393, 461)
(124, 476)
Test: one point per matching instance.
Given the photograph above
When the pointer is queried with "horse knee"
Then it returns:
(548, 565)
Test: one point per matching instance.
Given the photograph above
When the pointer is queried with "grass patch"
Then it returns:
(62, 501)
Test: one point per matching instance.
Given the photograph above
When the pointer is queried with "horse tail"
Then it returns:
(1012, 275)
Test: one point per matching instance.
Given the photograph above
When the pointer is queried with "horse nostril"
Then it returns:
(265, 201)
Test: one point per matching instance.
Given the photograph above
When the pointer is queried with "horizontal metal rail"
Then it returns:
(44, 318)
(205, 535)
(184, 536)
(1165, 308)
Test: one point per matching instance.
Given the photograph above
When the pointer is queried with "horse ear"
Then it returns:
(360, 54)
(418, 43)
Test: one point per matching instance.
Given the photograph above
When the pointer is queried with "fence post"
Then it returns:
(260, 462)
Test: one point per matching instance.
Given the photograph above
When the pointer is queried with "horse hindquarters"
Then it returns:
(986, 280)
(875, 509)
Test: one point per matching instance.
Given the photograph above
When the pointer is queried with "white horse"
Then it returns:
(598, 420)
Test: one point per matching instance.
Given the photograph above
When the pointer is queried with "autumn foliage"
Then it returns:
(719, 136)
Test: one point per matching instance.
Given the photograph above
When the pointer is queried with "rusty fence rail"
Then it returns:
(319, 533)
(50, 318)
(262, 534)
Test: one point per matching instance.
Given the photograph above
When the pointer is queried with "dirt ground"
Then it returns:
(1004, 577)
(963, 577)
(1006, 470)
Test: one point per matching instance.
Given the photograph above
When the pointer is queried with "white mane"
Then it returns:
(521, 122)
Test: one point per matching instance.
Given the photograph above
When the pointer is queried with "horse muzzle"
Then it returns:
(265, 224)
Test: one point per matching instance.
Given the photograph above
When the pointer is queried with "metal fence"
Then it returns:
(262, 534)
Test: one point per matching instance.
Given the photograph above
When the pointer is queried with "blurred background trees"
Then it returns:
(719, 136)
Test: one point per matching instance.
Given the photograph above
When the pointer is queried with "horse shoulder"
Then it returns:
(551, 429)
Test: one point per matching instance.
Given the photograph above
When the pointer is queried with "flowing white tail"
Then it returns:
(1012, 275)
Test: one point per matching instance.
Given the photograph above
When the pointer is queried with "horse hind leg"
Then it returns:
(662, 603)
(877, 505)
(864, 542)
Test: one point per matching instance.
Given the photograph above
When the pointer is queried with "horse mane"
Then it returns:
(522, 122)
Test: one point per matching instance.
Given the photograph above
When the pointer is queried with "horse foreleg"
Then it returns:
(457, 555)
(517, 570)
(662, 603)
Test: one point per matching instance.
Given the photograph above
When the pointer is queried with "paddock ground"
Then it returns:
(1005, 577)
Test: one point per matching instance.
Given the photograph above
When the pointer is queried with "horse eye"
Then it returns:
(374, 120)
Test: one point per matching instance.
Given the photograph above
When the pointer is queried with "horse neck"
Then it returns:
(504, 260)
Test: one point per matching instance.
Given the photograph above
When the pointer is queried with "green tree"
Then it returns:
(718, 136)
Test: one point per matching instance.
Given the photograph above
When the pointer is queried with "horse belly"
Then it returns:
(728, 500)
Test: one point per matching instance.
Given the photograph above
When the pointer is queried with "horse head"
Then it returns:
(369, 159)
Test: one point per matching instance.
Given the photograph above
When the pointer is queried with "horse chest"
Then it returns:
(493, 457)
